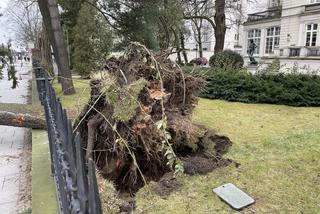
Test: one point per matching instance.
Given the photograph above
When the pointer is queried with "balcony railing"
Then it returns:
(312, 7)
(269, 14)
(313, 51)
(294, 52)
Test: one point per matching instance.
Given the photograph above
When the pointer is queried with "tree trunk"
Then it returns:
(184, 53)
(220, 25)
(177, 45)
(45, 52)
(166, 39)
(199, 41)
(51, 18)
(21, 120)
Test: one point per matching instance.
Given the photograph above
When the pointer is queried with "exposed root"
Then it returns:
(137, 125)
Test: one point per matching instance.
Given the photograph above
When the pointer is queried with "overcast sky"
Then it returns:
(5, 33)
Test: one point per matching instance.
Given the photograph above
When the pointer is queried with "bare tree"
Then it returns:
(26, 20)
(51, 18)
(219, 14)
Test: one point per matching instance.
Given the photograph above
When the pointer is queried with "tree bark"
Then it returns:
(177, 45)
(22, 120)
(199, 40)
(51, 18)
(182, 45)
(93, 123)
(45, 51)
(220, 25)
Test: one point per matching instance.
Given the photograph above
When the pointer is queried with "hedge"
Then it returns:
(289, 89)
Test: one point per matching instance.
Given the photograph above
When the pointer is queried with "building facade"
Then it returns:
(289, 31)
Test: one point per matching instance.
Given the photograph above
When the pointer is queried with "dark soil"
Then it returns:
(167, 184)
(125, 141)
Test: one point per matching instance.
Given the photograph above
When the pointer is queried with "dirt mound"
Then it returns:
(137, 125)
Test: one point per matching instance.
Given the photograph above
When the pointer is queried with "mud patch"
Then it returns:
(200, 165)
(166, 185)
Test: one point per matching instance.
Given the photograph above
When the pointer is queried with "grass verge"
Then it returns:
(43, 187)
(74, 103)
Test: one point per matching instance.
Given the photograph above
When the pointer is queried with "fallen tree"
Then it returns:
(21, 120)
(137, 125)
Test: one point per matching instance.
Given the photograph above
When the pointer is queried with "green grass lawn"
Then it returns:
(278, 148)
(74, 103)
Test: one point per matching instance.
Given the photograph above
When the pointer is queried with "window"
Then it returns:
(205, 37)
(273, 39)
(254, 35)
(236, 37)
(311, 35)
(239, 6)
(274, 3)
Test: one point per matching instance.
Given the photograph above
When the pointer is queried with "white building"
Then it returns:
(288, 30)
(235, 17)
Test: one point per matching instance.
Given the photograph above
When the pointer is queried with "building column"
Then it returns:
(263, 42)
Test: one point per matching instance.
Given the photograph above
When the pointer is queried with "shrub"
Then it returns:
(289, 89)
(199, 61)
(226, 59)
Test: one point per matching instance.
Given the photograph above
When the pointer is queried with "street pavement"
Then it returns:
(12, 142)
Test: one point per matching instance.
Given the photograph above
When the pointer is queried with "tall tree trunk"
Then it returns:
(182, 46)
(45, 51)
(220, 25)
(177, 45)
(50, 13)
(166, 39)
(199, 41)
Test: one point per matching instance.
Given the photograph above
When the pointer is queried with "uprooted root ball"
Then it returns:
(137, 125)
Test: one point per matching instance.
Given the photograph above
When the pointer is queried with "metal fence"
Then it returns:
(76, 183)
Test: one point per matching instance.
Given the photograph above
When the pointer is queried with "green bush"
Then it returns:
(226, 60)
(289, 89)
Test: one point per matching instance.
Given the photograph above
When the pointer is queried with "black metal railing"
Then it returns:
(269, 14)
(294, 52)
(313, 51)
(312, 7)
(76, 183)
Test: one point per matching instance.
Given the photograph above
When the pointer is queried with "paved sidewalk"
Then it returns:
(19, 94)
(12, 143)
